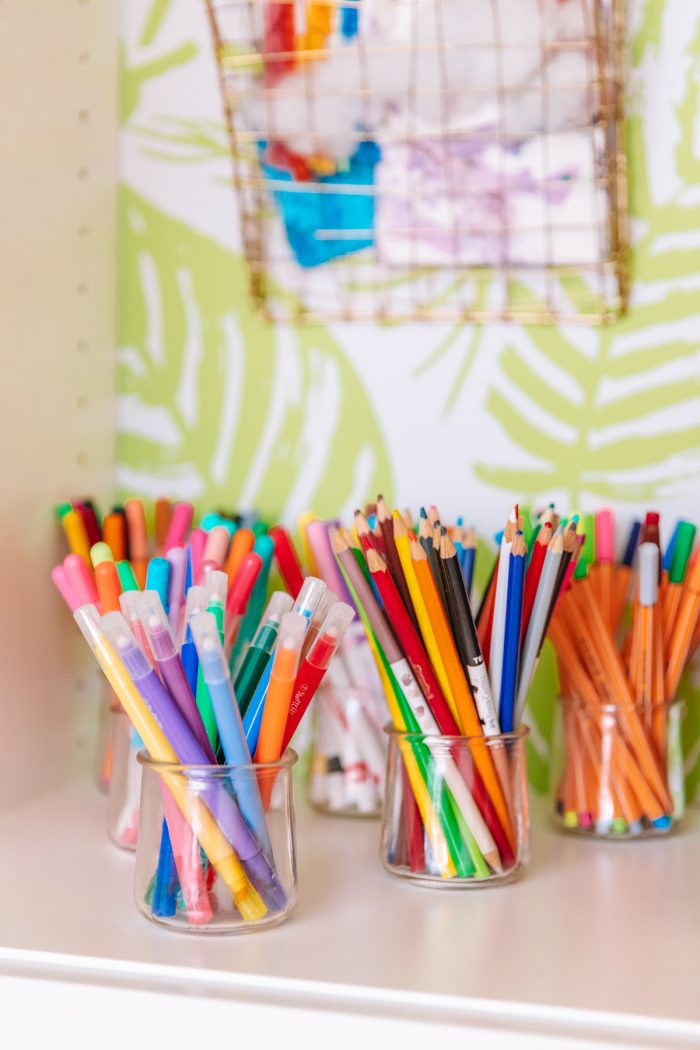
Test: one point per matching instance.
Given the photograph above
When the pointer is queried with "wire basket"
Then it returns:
(428, 159)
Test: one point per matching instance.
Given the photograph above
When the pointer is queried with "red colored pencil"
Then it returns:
(534, 571)
(410, 642)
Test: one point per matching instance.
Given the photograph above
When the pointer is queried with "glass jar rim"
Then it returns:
(617, 709)
(286, 761)
(519, 733)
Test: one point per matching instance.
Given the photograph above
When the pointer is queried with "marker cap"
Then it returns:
(685, 537)
(58, 575)
(158, 578)
(126, 576)
(156, 624)
(80, 580)
(130, 602)
(605, 535)
(100, 552)
(136, 528)
(116, 630)
(243, 583)
(331, 635)
(648, 566)
(215, 587)
(180, 521)
(216, 547)
(212, 659)
(289, 642)
(328, 600)
(309, 597)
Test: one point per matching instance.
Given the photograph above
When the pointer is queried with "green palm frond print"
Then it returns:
(218, 406)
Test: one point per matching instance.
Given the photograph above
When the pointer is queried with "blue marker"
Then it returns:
(212, 663)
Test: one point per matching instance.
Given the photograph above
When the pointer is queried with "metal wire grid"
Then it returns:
(365, 285)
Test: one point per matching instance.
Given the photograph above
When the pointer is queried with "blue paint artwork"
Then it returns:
(306, 212)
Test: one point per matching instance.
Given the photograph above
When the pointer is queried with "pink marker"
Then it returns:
(58, 575)
(180, 522)
(605, 535)
(216, 547)
(317, 535)
(198, 540)
(80, 580)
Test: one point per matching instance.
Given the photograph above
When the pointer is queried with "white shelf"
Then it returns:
(597, 941)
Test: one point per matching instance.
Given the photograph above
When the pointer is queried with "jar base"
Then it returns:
(429, 881)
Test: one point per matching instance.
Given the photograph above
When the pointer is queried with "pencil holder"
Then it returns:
(456, 809)
(349, 752)
(124, 780)
(211, 858)
(618, 771)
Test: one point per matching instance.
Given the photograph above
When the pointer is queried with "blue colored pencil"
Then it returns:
(511, 637)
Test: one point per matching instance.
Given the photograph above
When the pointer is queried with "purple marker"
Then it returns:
(166, 712)
(155, 624)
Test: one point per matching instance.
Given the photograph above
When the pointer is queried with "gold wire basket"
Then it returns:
(452, 160)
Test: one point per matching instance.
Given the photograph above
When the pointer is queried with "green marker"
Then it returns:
(126, 576)
(683, 545)
(259, 528)
(215, 591)
(265, 547)
(256, 658)
(61, 509)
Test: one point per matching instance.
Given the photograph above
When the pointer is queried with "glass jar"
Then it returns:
(200, 868)
(456, 809)
(124, 780)
(618, 771)
(348, 756)
(102, 766)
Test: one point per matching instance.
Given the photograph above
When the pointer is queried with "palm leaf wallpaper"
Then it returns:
(222, 408)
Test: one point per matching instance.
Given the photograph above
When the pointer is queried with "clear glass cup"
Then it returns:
(456, 809)
(216, 849)
(348, 754)
(124, 780)
(102, 765)
(618, 772)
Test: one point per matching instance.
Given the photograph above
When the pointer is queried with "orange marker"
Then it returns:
(279, 694)
(162, 516)
(683, 630)
(114, 535)
(138, 539)
(108, 587)
(241, 544)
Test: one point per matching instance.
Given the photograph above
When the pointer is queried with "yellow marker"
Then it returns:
(214, 843)
(100, 552)
(77, 537)
(302, 521)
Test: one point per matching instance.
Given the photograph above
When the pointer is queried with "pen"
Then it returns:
(155, 622)
(215, 844)
(196, 603)
(285, 665)
(180, 521)
(259, 650)
(314, 664)
(228, 720)
(138, 538)
(186, 749)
